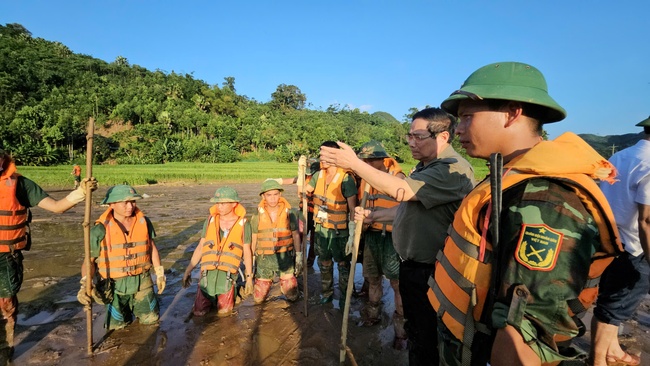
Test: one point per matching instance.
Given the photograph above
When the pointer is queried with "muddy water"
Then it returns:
(52, 327)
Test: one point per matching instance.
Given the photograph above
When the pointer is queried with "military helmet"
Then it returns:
(314, 166)
(269, 185)
(508, 81)
(372, 150)
(225, 194)
(120, 193)
(644, 123)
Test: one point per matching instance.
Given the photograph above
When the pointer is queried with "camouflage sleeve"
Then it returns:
(293, 219)
(349, 186)
(248, 237)
(314, 178)
(97, 234)
(255, 220)
(150, 228)
(547, 238)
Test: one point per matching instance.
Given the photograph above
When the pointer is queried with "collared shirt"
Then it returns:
(420, 227)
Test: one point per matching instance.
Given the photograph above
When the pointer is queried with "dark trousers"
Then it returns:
(421, 322)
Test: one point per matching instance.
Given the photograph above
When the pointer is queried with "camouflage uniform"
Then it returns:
(131, 296)
(553, 222)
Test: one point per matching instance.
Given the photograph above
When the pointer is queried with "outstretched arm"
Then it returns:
(345, 158)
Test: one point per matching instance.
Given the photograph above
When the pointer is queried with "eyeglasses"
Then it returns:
(417, 137)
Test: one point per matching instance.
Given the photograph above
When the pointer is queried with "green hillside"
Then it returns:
(606, 145)
(48, 93)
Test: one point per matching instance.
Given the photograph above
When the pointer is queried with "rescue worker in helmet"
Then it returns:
(379, 256)
(512, 294)
(275, 244)
(123, 253)
(225, 243)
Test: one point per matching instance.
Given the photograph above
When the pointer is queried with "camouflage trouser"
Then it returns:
(330, 247)
(122, 310)
(379, 256)
(268, 265)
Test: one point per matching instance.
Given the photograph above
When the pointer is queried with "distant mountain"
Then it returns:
(387, 117)
(605, 145)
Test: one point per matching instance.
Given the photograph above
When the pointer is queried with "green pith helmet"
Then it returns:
(372, 150)
(644, 123)
(120, 193)
(314, 166)
(269, 185)
(508, 81)
(225, 194)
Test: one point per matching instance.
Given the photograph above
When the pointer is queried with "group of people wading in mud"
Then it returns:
(500, 271)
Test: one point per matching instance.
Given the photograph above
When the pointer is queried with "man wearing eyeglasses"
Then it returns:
(428, 199)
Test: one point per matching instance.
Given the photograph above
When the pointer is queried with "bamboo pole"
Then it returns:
(302, 170)
(86, 226)
(348, 294)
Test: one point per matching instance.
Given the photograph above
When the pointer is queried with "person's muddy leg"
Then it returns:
(326, 280)
(9, 311)
(116, 317)
(289, 287)
(226, 302)
(261, 290)
(344, 276)
(145, 306)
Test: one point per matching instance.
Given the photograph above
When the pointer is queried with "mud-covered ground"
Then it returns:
(52, 324)
(51, 327)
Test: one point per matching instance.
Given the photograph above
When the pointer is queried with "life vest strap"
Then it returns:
(129, 245)
(13, 227)
(12, 242)
(126, 257)
(12, 213)
(468, 248)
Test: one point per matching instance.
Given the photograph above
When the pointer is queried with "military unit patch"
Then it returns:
(538, 247)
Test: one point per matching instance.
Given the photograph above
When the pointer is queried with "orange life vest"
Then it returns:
(328, 198)
(13, 215)
(378, 200)
(274, 237)
(224, 253)
(123, 254)
(462, 280)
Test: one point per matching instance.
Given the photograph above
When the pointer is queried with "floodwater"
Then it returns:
(52, 330)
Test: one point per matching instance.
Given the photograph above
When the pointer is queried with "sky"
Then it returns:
(373, 55)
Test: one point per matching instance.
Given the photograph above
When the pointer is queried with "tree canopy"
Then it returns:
(48, 93)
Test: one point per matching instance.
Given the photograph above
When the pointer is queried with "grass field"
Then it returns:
(108, 175)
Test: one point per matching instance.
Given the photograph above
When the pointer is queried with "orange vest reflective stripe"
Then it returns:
(329, 199)
(122, 254)
(378, 200)
(274, 237)
(224, 253)
(13, 215)
(460, 288)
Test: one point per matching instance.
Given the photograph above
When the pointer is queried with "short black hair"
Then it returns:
(439, 121)
(330, 144)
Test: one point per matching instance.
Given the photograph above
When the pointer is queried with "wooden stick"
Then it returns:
(86, 226)
(302, 170)
(348, 294)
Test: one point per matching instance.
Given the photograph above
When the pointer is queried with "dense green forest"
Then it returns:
(48, 94)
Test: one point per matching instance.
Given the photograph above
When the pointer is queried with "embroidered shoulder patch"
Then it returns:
(538, 247)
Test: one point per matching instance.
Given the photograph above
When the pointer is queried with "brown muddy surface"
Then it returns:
(51, 327)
